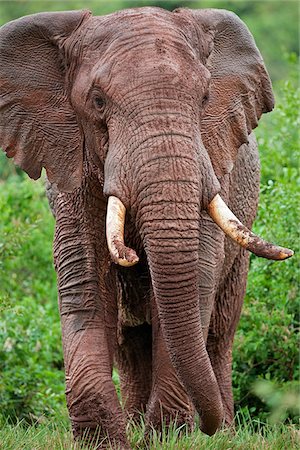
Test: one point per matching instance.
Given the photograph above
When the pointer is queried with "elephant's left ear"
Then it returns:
(240, 88)
(38, 126)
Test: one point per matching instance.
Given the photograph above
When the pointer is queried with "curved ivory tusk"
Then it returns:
(115, 221)
(232, 227)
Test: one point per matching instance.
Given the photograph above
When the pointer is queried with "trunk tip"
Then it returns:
(210, 424)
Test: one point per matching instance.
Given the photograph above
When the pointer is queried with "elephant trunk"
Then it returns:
(169, 192)
(173, 263)
(167, 195)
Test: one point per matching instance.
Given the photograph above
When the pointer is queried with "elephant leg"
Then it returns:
(224, 320)
(92, 401)
(169, 402)
(134, 359)
(88, 312)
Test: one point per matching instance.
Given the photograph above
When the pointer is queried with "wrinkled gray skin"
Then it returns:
(155, 108)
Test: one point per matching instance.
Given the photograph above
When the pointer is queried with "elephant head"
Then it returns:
(161, 103)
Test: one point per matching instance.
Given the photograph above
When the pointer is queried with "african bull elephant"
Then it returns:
(148, 113)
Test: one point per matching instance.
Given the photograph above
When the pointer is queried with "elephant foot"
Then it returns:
(98, 427)
(93, 437)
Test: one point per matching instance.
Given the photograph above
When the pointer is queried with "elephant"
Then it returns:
(143, 121)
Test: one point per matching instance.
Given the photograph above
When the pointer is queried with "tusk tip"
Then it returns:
(269, 251)
(125, 256)
(285, 253)
(228, 222)
(126, 263)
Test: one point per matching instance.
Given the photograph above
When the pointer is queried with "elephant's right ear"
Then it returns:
(38, 126)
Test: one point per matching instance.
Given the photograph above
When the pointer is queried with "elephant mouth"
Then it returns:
(218, 211)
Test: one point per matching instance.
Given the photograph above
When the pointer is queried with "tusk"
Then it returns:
(232, 227)
(115, 221)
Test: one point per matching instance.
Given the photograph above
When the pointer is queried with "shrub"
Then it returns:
(30, 348)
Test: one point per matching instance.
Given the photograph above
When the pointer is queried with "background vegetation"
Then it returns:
(266, 359)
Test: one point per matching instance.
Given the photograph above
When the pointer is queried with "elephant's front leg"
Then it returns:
(169, 402)
(224, 321)
(242, 199)
(91, 396)
(88, 317)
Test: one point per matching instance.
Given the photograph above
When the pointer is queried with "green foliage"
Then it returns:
(281, 400)
(7, 168)
(30, 349)
(266, 341)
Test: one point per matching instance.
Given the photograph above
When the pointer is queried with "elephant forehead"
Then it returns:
(128, 24)
(123, 50)
(136, 35)
(143, 65)
(159, 72)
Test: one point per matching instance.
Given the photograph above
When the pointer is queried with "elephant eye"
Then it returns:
(99, 103)
(205, 99)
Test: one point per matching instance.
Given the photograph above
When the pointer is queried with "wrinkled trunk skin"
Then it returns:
(169, 191)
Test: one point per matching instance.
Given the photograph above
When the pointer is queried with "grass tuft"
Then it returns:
(58, 437)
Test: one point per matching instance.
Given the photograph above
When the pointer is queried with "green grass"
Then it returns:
(57, 436)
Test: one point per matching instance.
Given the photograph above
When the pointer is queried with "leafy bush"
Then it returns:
(266, 341)
(31, 381)
(282, 400)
